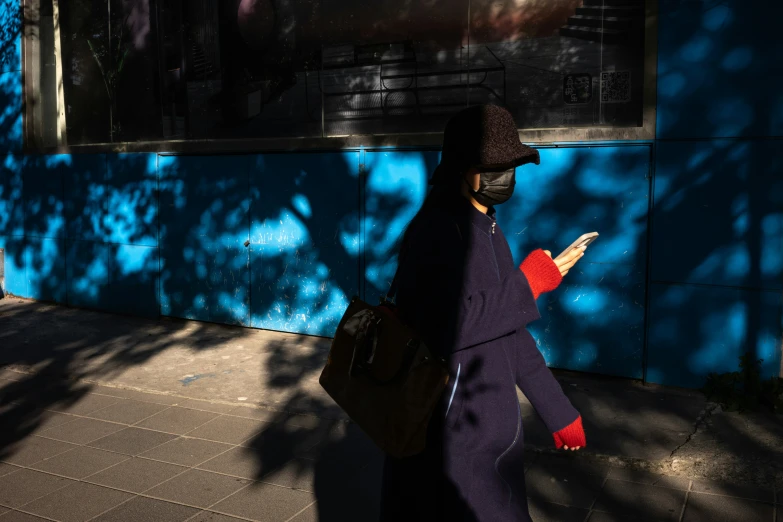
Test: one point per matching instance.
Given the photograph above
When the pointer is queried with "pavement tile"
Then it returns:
(186, 452)
(240, 462)
(132, 441)
(77, 503)
(50, 419)
(364, 491)
(197, 488)
(177, 420)
(11, 375)
(546, 512)
(231, 430)
(23, 486)
(154, 398)
(261, 414)
(39, 392)
(79, 462)
(82, 431)
(734, 490)
(89, 403)
(298, 474)
(309, 515)
(562, 486)
(16, 516)
(651, 479)
(573, 464)
(640, 501)
(345, 442)
(214, 407)
(356, 499)
(9, 390)
(34, 449)
(530, 456)
(128, 411)
(715, 508)
(136, 475)
(277, 443)
(666, 411)
(266, 503)
(148, 510)
(208, 516)
(307, 421)
(5, 469)
(598, 516)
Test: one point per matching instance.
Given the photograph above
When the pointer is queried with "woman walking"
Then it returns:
(460, 289)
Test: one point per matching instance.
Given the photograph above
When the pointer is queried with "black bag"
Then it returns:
(383, 376)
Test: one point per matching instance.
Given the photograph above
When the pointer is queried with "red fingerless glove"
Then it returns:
(572, 435)
(541, 272)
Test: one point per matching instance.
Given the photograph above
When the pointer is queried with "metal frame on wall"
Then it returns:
(34, 121)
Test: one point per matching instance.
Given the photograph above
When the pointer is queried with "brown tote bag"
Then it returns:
(383, 376)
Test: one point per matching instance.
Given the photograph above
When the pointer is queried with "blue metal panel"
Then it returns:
(10, 35)
(15, 267)
(84, 190)
(396, 185)
(46, 278)
(203, 227)
(11, 208)
(717, 68)
(695, 330)
(595, 320)
(35, 268)
(11, 112)
(87, 271)
(133, 280)
(44, 213)
(132, 216)
(718, 216)
(305, 240)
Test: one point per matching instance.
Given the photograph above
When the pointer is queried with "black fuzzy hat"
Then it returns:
(483, 137)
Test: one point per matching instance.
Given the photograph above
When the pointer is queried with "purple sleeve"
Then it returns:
(538, 384)
(491, 313)
(450, 310)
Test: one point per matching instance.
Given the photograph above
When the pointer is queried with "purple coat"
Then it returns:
(459, 287)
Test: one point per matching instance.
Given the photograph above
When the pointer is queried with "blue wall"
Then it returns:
(716, 264)
(687, 274)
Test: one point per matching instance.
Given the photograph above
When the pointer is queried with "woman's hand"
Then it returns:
(567, 262)
(572, 437)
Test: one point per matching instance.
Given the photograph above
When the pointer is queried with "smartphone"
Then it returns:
(583, 240)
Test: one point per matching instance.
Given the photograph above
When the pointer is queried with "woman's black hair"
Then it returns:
(438, 195)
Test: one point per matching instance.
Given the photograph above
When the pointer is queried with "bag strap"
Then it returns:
(392, 293)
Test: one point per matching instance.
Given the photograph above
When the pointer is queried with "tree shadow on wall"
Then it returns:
(80, 230)
(717, 226)
(595, 321)
(48, 228)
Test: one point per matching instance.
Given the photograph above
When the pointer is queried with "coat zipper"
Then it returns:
(453, 390)
(492, 246)
(519, 411)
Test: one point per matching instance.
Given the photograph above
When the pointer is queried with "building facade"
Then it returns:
(255, 164)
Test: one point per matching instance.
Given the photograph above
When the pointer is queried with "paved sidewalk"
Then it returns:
(117, 418)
